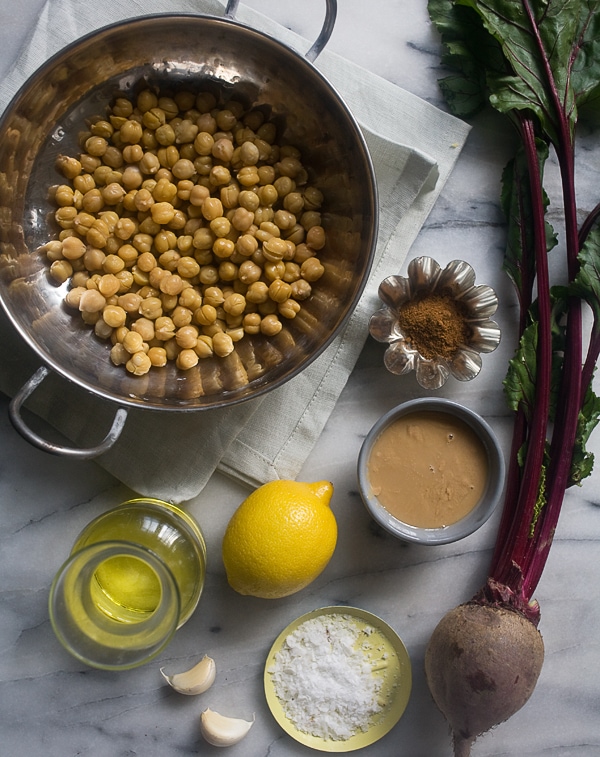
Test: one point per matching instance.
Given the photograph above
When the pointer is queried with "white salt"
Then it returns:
(324, 679)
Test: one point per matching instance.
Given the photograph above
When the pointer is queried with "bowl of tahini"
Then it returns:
(431, 471)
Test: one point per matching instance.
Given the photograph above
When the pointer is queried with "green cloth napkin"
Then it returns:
(414, 147)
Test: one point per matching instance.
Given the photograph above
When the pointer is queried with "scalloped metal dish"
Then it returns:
(396, 681)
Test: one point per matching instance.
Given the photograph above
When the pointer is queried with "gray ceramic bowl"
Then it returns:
(476, 517)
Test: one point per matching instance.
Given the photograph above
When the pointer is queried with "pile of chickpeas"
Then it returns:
(184, 226)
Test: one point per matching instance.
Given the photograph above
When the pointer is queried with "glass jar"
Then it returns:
(135, 575)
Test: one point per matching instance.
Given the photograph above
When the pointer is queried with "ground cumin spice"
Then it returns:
(435, 325)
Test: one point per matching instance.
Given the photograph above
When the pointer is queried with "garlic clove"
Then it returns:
(220, 730)
(195, 680)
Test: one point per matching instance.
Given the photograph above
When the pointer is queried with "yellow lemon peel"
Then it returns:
(280, 538)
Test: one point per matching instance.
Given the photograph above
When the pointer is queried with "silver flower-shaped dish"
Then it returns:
(456, 282)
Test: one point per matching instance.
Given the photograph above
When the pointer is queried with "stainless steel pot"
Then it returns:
(198, 51)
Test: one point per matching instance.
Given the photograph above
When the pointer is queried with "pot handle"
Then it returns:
(14, 411)
(324, 35)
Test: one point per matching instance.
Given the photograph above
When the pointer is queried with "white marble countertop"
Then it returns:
(56, 707)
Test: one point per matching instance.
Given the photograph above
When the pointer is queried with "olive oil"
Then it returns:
(134, 575)
(128, 588)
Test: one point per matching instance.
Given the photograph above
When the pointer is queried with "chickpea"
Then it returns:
(130, 132)
(80, 279)
(185, 131)
(284, 185)
(310, 218)
(312, 270)
(113, 193)
(214, 296)
(91, 301)
(204, 143)
(164, 191)
(126, 280)
(205, 315)
(118, 354)
(313, 198)
(133, 153)
(258, 292)
(181, 316)
(108, 285)
(73, 248)
(220, 226)
(222, 344)
(228, 271)
(61, 271)
(83, 182)
(251, 323)
(274, 249)
(64, 195)
(186, 336)
(164, 328)
(165, 135)
(132, 178)
(248, 176)
(90, 318)
(178, 221)
(249, 272)
(266, 173)
(149, 164)
(315, 237)
(73, 296)
(68, 166)
(223, 248)
(303, 252)
(162, 212)
(270, 325)
(249, 200)
(151, 308)
(279, 290)
(212, 208)
(234, 304)
(130, 302)
(219, 175)
(145, 328)
(204, 346)
(168, 302)
(169, 260)
(274, 270)
(289, 308)
(187, 359)
(125, 228)
(157, 356)
(185, 243)
(209, 275)
(113, 264)
(172, 284)
(301, 290)
(89, 163)
(139, 364)
(268, 195)
(114, 316)
(246, 245)
(187, 267)
(65, 217)
(190, 297)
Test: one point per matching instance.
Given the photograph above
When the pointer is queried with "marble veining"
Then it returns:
(53, 706)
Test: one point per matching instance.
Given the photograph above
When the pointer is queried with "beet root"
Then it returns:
(482, 664)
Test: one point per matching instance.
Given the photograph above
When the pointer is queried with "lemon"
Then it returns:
(280, 538)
